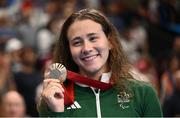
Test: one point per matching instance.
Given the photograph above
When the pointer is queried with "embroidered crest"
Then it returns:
(123, 99)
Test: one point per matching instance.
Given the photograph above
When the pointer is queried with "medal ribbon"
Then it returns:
(75, 77)
(87, 81)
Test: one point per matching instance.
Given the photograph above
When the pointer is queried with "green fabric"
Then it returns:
(140, 101)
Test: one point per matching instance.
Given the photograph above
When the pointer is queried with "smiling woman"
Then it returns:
(89, 46)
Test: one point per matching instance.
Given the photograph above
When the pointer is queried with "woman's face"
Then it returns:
(89, 46)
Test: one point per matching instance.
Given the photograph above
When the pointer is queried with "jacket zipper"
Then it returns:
(98, 107)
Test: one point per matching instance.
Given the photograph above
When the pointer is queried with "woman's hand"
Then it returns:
(53, 94)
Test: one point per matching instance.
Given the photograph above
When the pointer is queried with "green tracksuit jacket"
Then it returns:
(96, 103)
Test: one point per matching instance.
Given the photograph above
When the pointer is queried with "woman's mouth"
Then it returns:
(89, 58)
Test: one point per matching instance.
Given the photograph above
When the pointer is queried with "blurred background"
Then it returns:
(150, 36)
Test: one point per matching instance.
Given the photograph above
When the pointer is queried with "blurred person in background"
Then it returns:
(167, 80)
(13, 48)
(129, 46)
(13, 105)
(134, 38)
(171, 106)
(6, 78)
(27, 79)
(138, 34)
(46, 37)
(31, 18)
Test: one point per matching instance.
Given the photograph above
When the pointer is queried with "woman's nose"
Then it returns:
(87, 47)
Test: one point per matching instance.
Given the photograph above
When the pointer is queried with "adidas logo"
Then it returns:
(75, 105)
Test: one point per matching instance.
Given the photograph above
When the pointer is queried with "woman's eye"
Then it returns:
(76, 43)
(92, 38)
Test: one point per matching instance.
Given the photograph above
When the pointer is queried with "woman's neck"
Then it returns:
(95, 75)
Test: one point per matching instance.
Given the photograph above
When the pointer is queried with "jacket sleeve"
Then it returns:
(151, 104)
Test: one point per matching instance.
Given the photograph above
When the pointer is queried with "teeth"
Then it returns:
(90, 58)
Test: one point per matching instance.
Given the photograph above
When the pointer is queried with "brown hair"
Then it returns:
(117, 60)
